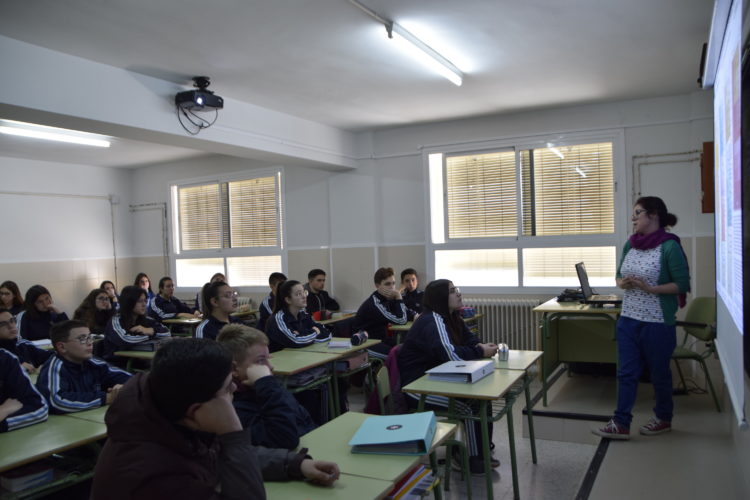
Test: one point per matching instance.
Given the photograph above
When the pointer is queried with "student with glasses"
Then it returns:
(167, 306)
(95, 310)
(219, 302)
(11, 297)
(39, 314)
(131, 325)
(30, 356)
(73, 379)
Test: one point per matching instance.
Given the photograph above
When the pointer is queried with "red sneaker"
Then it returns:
(612, 431)
(655, 426)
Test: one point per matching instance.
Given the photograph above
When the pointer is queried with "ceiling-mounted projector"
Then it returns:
(201, 99)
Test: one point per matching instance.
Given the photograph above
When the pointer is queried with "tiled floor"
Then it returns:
(693, 461)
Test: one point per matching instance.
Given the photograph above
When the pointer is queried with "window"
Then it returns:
(232, 226)
(522, 215)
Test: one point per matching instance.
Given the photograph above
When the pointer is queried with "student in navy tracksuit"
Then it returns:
(131, 326)
(276, 419)
(290, 325)
(111, 290)
(95, 311)
(437, 336)
(39, 314)
(383, 307)
(21, 404)
(411, 293)
(199, 296)
(167, 306)
(318, 300)
(73, 379)
(219, 302)
(143, 281)
(266, 307)
(30, 356)
(10, 297)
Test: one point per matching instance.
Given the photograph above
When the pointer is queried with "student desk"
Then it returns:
(342, 317)
(573, 332)
(346, 488)
(131, 355)
(58, 433)
(191, 323)
(472, 323)
(94, 415)
(492, 387)
(288, 362)
(331, 442)
(245, 313)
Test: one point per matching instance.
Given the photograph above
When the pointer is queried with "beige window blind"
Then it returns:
(568, 190)
(253, 213)
(481, 195)
(200, 217)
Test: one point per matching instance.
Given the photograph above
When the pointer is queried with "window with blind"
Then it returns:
(232, 226)
(523, 216)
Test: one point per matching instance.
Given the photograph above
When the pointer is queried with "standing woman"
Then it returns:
(439, 335)
(167, 306)
(39, 314)
(131, 326)
(111, 290)
(654, 273)
(10, 297)
(219, 302)
(95, 310)
(290, 325)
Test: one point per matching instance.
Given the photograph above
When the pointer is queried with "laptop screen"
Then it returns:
(584, 279)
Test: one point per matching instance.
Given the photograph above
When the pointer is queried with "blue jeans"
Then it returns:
(639, 343)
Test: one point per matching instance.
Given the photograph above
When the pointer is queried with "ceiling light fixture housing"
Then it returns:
(43, 132)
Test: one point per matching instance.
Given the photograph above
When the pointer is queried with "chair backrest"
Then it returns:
(384, 391)
(702, 310)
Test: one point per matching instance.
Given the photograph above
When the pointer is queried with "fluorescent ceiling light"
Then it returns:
(34, 131)
(424, 54)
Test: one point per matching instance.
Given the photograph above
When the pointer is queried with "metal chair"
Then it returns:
(700, 322)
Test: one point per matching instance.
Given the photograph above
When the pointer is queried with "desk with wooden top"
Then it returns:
(493, 387)
(574, 332)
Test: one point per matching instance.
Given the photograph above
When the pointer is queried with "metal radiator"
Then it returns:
(247, 302)
(507, 320)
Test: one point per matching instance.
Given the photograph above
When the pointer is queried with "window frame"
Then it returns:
(519, 242)
(224, 253)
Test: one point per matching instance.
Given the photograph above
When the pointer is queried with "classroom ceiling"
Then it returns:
(325, 60)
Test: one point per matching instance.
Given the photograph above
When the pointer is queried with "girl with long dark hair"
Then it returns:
(10, 297)
(437, 336)
(131, 325)
(290, 325)
(95, 310)
(39, 314)
(219, 302)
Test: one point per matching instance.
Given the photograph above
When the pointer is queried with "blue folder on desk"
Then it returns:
(395, 434)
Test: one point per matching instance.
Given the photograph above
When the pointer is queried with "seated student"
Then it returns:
(219, 302)
(318, 300)
(73, 379)
(199, 296)
(410, 292)
(39, 314)
(383, 307)
(167, 306)
(21, 404)
(290, 325)
(30, 356)
(111, 290)
(266, 307)
(10, 297)
(143, 281)
(173, 433)
(277, 420)
(131, 325)
(95, 310)
(437, 336)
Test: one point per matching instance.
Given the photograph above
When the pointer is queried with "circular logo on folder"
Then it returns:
(393, 427)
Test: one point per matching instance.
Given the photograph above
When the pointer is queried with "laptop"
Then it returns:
(588, 294)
